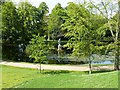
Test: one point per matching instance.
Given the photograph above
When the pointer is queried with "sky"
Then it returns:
(50, 3)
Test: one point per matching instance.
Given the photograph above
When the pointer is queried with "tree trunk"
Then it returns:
(48, 35)
(90, 66)
(40, 65)
(116, 65)
(116, 40)
(117, 58)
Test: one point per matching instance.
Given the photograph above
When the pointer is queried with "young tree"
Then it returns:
(37, 49)
(80, 31)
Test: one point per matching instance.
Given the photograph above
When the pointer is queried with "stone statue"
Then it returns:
(59, 46)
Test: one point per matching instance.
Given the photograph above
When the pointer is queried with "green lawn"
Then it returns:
(30, 78)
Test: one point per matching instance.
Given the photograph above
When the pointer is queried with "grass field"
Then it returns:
(31, 78)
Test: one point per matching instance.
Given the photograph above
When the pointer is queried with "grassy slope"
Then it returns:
(29, 78)
(12, 76)
(72, 81)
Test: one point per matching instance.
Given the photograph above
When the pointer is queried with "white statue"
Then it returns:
(59, 46)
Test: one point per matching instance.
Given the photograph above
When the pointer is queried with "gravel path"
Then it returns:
(54, 67)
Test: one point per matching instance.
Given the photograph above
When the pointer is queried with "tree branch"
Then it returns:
(98, 9)
(111, 30)
(105, 9)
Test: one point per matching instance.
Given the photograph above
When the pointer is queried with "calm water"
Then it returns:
(102, 62)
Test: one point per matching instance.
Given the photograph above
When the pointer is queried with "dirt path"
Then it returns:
(53, 67)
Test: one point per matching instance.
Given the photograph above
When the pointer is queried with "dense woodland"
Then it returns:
(85, 29)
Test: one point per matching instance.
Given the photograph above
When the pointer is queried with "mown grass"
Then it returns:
(31, 78)
(12, 76)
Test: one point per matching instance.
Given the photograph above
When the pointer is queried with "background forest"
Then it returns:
(87, 31)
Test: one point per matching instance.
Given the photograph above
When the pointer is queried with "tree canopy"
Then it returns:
(85, 29)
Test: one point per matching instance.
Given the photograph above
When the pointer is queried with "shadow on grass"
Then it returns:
(55, 72)
(64, 72)
(101, 71)
(74, 72)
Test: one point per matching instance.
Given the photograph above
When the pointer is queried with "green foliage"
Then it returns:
(110, 29)
(55, 21)
(86, 27)
(43, 9)
(29, 19)
(79, 30)
(109, 32)
(18, 26)
(9, 22)
(37, 48)
(10, 30)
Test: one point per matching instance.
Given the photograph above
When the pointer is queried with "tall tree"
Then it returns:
(19, 25)
(9, 29)
(80, 31)
(118, 61)
(43, 9)
(106, 9)
(29, 19)
(55, 21)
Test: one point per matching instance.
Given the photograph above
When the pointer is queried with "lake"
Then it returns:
(102, 62)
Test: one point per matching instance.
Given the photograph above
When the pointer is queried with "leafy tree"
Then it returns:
(43, 9)
(55, 21)
(110, 29)
(79, 31)
(37, 49)
(9, 29)
(19, 25)
(9, 22)
(30, 21)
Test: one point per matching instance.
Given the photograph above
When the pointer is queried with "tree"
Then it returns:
(106, 9)
(9, 29)
(37, 49)
(30, 21)
(9, 22)
(80, 32)
(19, 25)
(119, 32)
(55, 21)
(43, 9)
